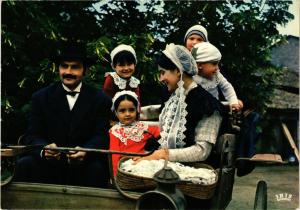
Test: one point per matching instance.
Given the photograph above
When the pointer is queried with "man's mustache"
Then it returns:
(69, 76)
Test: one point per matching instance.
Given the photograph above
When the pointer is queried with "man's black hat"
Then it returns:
(71, 51)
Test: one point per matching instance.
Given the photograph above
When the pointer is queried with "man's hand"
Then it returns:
(50, 154)
(75, 156)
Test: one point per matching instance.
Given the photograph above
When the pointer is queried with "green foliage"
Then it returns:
(30, 31)
(244, 31)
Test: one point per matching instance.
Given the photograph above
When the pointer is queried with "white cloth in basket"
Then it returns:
(147, 168)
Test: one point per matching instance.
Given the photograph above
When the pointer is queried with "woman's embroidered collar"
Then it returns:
(121, 83)
(133, 132)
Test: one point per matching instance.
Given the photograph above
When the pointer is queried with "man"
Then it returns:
(68, 114)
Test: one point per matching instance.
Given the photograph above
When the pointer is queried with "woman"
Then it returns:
(191, 118)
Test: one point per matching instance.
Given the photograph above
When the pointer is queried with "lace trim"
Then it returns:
(208, 83)
(134, 132)
(173, 119)
(121, 83)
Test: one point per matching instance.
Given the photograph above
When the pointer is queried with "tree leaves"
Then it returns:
(244, 31)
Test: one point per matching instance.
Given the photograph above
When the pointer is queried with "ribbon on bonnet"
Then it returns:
(172, 118)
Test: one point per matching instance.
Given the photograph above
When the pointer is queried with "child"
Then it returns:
(123, 61)
(128, 134)
(198, 34)
(209, 76)
(195, 35)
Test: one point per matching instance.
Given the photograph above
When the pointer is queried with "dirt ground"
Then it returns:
(282, 181)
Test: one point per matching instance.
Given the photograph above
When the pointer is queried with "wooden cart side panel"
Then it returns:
(43, 196)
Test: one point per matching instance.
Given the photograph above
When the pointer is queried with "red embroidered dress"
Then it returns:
(130, 138)
(114, 83)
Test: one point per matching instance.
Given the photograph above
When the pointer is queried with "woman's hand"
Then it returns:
(156, 155)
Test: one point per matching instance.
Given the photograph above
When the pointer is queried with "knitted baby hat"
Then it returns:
(206, 52)
(196, 29)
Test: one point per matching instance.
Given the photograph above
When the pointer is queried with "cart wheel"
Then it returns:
(261, 196)
(8, 166)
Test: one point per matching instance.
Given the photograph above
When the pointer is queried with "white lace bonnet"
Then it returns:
(124, 92)
(172, 119)
(122, 47)
(182, 58)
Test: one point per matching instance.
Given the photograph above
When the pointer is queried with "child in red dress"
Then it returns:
(129, 134)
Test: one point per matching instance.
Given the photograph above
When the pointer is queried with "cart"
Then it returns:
(41, 196)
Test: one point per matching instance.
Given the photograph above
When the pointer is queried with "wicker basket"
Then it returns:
(199, 191)
(129, 181)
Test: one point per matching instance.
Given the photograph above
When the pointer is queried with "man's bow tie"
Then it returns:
(71, 93)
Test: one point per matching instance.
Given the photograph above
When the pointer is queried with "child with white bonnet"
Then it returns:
(123, 61)
(209, 76)
(213, 80)
(129, 134)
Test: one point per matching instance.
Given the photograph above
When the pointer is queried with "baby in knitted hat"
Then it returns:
(194, 35)
(209, 76)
